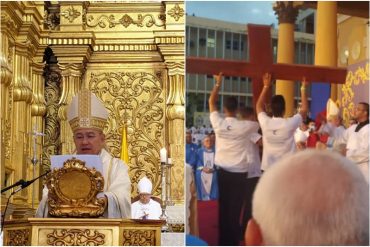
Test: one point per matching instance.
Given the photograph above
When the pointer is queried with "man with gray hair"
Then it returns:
(312, 197)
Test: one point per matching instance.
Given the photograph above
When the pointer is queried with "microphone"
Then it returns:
(25, 184)
(20, 182)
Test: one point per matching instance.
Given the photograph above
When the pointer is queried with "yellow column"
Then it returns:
(326, 38)
(287, 15)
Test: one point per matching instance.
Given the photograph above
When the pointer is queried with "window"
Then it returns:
(228, 44)
(235, 45)
(211, 42)
(202, 41)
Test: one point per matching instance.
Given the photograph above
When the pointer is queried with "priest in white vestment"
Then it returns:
(145, 208)
(88, 117)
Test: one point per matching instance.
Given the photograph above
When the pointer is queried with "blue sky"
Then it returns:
(258, 12)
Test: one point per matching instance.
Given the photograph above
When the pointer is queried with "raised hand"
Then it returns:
(266, 78)
(218, 78)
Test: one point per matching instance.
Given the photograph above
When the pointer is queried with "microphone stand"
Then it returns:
(23, 184)
(20, 182)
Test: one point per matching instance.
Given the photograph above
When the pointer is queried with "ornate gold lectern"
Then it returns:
(76, 232)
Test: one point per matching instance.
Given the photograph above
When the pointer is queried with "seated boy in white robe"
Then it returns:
(145, 208)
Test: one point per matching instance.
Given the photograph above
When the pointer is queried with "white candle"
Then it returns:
(163, 154)
(170, 161)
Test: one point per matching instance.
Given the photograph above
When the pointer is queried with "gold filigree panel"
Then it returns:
(75, 237)
(138, 238)
(354, 78)
(19, 237)
(136, 99)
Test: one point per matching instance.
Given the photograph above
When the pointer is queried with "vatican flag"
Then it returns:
(124, 145)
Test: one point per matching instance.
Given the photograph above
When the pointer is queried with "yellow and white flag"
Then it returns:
(124, 145)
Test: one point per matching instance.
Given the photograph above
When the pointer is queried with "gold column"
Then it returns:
(38, 110)
(22, 95)
(21, 24)
(287, 15)
(8, 27)
(326, 38)
(171, 46)
(175, 116)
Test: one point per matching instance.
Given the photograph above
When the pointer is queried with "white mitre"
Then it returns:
(144, 186)
(86, 111)
(331, 109)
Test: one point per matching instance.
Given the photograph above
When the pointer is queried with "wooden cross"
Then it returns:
(261, 61)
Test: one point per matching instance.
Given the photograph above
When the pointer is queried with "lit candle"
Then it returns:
(163, 154)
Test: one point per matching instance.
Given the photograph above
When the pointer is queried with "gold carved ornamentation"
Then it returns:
(176, 12)
(19, 237)
(136, 99)
(70, 14)
(170, 40)
(126, 20)
(138, 237)
(178, 227)
(75, 237)
(354, 78)
(52, 126)
(22, 91)
(73, 190)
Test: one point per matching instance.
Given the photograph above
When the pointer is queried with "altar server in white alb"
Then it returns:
(145, 208)
(356, 138)
(87, 117)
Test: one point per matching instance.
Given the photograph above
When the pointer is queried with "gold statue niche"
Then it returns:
(73, 189)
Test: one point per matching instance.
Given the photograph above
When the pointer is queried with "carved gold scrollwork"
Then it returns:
(147, 19)
(73, 190)
(19, 237)
(136, 99)
(70, 14)
(138, 237)
(176, 12)
(75, 237)
(52, 126)
(354, 78)
(178, 227)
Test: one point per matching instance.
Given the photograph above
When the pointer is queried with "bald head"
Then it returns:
(312, 198)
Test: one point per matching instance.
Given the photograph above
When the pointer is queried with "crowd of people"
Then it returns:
(270, 163)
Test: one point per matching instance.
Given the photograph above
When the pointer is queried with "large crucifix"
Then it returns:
(261, 61)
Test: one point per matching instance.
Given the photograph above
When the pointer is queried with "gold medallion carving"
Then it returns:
(18, 237)
(73, 190)
(147, 20)
(176, 12)
(70, 14)
(138, 237)
(136, 99)
(75, 237)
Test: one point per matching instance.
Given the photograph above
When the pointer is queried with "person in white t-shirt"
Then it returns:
(145, 208)
(231, 138)
(277, 131)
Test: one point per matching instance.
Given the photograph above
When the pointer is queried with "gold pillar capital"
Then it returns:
(286, 11)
